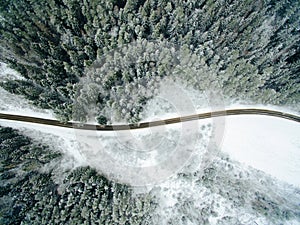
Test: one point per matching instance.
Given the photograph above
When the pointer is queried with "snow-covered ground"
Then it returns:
(215, 197)
(265, 143)
(8, 73)
(225, 193)
(271, 145)
(137, 157)
(268, 144)
(15, 104)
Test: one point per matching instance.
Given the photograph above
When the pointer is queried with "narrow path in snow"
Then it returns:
(77, 125)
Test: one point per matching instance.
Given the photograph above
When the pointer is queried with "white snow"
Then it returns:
(260, 106)
(8, 73)
(60, 138)
(188, 196)
(173, 100)
(15, 104)
(265, 143)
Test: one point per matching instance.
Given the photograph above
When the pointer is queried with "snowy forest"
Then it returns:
(250, 48)
(29, 195)
(109, 58)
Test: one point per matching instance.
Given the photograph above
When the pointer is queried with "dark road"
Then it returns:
(76, 125)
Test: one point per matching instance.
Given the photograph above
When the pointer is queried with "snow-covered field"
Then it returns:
(265, 143)
(268, 145)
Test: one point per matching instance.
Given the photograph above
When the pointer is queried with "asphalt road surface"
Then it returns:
(76, 125)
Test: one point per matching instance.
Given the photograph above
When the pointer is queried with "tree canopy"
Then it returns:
(251, 47)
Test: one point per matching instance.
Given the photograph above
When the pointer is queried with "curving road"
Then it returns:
(76, 125)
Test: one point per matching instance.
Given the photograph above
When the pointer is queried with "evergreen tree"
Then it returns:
(251, 47)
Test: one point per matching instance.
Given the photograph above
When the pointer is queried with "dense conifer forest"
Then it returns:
(251, 48)
(29, 195)
(110, 57)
